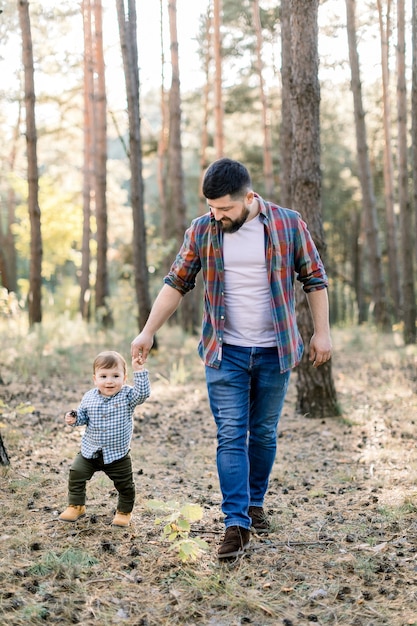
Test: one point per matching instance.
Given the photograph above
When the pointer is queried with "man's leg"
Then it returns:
(228, 390)
(268, 391)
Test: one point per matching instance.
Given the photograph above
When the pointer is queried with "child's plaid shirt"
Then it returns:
(289, 253)
(109, 419)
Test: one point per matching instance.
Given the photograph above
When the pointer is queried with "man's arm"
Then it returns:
(320, 349)
(164, 306)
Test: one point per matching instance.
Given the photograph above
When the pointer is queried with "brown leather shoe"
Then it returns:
(121, 519)
(260, 523)
(72, 513)
(235, 542)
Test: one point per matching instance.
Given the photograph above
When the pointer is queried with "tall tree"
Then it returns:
(88, 159)
(218, 80)
(163, 135)
(206, 47)
(176, 195)
(407, 239)
(414, 115)
(368, 198)
(100, 168)
(316, 394)
(35, 272)
(175, 169)
(286, 145)
(8, 257)
(391, 225)
(266, 113)
(128, 40)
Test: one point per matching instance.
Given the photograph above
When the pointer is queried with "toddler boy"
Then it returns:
(107, 412)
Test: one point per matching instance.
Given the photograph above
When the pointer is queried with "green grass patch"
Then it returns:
(70, 560)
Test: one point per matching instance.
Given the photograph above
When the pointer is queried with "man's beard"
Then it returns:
(231, 226)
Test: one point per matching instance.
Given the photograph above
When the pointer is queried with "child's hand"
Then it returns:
(70, 417)
(137, 363)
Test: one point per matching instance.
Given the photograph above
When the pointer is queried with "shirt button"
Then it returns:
(222, 317)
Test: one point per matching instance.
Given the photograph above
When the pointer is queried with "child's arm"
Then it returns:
(77, 417)
(141, 389)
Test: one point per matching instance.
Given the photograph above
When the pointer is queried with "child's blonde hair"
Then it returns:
(107, 360)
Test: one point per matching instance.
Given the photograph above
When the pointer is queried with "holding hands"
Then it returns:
(137, 363)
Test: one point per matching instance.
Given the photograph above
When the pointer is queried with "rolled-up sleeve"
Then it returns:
(187, 264)
(308, 264)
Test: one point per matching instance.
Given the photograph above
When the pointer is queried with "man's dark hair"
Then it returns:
(226, 176)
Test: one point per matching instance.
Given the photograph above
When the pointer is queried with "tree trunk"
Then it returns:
(88, 157)
(194, 309)
(175, 183)
(266, 113)
(391, 226)
(163, 136)
(128, 40)
(35, 272)
(286, 144)
(100, 175)
(357, 264)
(414, 116)
(316, 394)
(204, 161)
(4, 457)
(409, 301)
(8, 257)
(176, 197)
(371, 222)
(218, 91)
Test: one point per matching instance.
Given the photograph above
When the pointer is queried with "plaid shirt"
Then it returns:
(109, 419)
(289, 252)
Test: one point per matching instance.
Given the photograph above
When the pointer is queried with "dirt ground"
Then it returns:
(342, 501)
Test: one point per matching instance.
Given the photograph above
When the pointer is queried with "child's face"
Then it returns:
(109, 381)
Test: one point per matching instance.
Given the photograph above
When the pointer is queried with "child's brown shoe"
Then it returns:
(72, 513)
(121, 519)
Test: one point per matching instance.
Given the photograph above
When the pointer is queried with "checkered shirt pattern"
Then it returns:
(289, 253)
(109, 419)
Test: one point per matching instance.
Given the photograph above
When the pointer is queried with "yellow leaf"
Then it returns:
(192, 512)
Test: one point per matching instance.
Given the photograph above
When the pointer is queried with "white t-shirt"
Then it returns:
(248, 319)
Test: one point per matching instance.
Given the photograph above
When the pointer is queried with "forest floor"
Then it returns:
(342, 500)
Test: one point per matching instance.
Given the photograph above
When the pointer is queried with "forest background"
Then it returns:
(137, 168)
(100, 174)
(362, 219)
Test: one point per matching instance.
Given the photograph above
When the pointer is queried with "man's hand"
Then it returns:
(166, 303)
(320, 349)
(141, 346)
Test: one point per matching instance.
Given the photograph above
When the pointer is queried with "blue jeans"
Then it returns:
(246, 396)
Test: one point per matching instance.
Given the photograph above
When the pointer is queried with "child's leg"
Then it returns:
(121, 473)
(81, 470)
